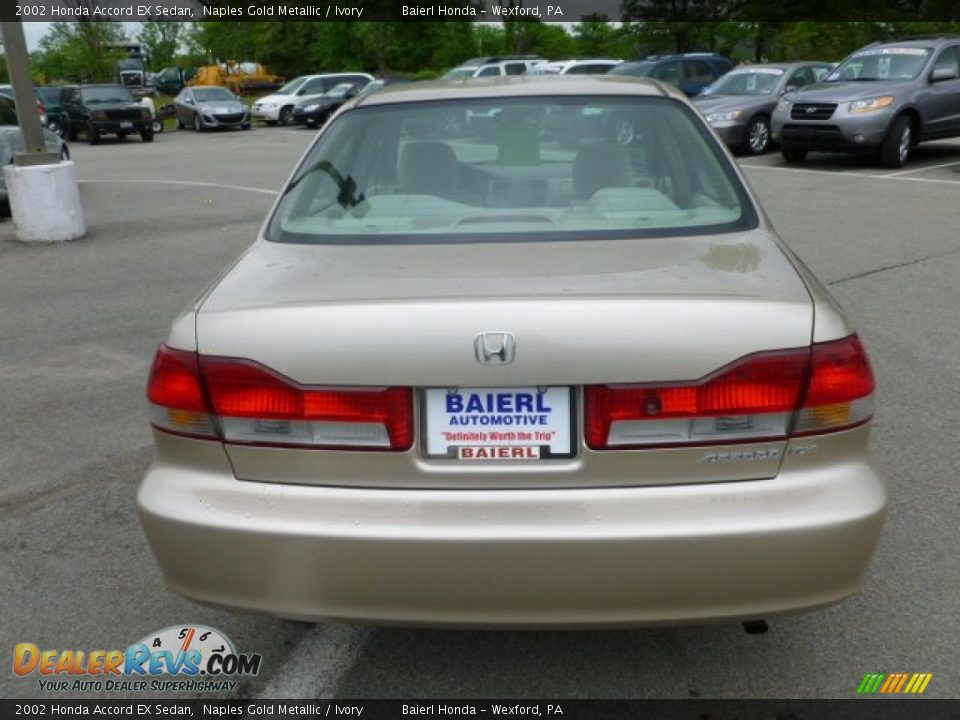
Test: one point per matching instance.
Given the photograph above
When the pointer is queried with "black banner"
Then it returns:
(860, 709)
(475, 10)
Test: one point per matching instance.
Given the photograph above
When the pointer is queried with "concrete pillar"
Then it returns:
(45, 202)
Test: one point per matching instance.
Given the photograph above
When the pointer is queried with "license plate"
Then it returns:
(499, 424)
(126, 125)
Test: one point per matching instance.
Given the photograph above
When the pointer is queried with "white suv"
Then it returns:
(493, 69)
(586, 66)
(278, 107)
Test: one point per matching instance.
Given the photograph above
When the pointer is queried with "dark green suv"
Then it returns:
(96, 110)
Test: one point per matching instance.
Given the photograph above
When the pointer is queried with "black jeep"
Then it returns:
(99, 109)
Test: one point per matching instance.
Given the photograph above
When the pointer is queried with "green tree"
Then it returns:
(80, 51)
(161, 42)
(597, 37)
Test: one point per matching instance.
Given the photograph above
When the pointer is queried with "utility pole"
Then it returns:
(24, 94)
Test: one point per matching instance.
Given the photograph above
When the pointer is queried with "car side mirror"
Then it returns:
(941, 74)
(788, 89)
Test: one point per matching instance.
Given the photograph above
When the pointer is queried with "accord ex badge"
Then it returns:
(494, 348)
(739, 456)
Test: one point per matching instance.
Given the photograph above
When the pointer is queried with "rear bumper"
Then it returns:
(524, 558)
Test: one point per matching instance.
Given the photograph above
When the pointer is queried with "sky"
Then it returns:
(33, 31)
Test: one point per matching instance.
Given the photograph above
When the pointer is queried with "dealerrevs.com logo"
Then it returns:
(179, 658)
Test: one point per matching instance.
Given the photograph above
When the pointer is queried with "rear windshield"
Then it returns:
(885, 63)
(514, 169)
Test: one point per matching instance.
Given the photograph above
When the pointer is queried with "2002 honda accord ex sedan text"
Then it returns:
(507, 380)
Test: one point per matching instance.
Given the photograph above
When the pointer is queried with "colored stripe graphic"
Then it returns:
(894, 683)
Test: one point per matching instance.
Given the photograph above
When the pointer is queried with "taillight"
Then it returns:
(254, 405)
(766, 396)
(840, 392)
(176, 398)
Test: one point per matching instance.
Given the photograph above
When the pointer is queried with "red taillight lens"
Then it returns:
(751, 399)
(259, 406)
(176, 397)
(252, 404)
(840, 392)
(175, 380)
(825, 388)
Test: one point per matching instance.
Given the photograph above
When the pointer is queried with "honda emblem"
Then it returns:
(494, 348)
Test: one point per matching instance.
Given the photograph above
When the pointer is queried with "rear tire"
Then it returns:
(70, 131)
(93, 135)
(245, 126)
(121, 136)
(270, 122)
(285, 115)
(157, 126)
(181, 125)
(895, 150)
(793, 153)
(146, 134)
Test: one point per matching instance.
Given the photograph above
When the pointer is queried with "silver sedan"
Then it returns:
(497, 380)
(204, 107)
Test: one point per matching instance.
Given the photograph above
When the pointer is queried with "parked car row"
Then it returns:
(885, 98)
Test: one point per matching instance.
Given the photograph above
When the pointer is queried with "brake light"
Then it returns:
(766, 396)
(176, 398)
(251, 404)
(840, 392)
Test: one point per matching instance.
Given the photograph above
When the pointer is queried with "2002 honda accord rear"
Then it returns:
(508, 379)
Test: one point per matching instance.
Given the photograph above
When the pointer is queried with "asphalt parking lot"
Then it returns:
(79, 323)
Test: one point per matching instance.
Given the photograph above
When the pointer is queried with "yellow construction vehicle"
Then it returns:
(241, 77)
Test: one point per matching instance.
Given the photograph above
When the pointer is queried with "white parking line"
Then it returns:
(895, 176)
(194, 183)
(921, 169)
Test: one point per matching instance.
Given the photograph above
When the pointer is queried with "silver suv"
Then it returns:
(886, 97)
